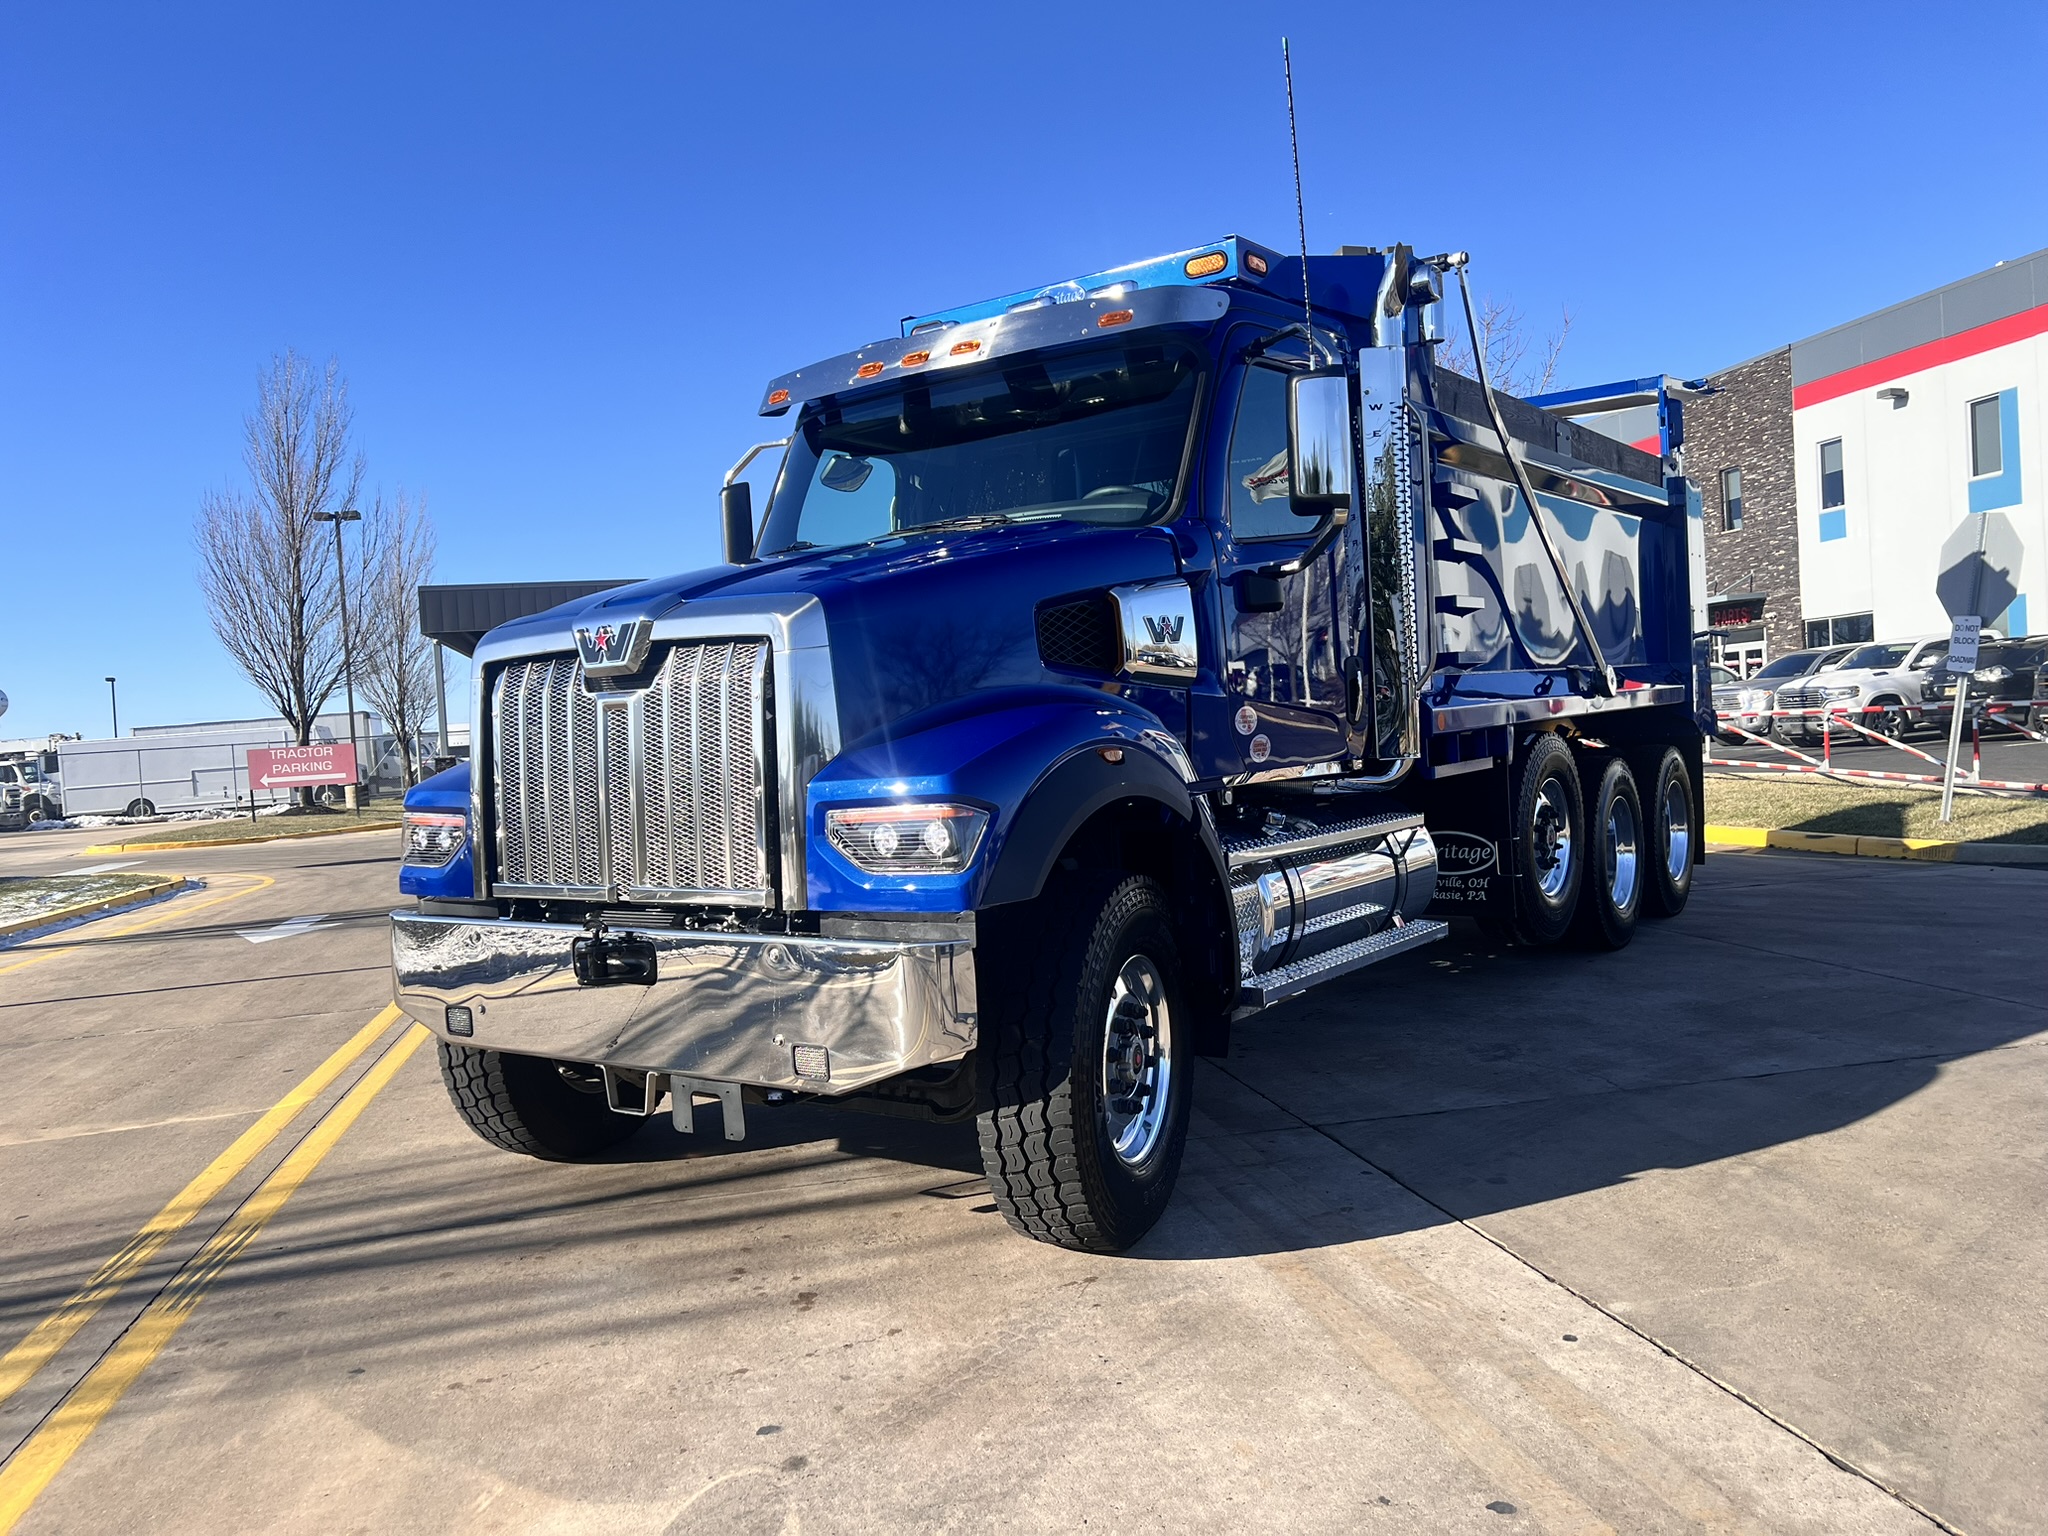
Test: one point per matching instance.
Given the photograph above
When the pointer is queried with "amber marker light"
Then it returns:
(964, 349)
(1114, 317)
(780, 397)
(1207, 266)
(916, 359)
(1255, 264)
(867, 370)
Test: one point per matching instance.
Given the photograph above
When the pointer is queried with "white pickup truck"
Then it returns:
(1878, 686)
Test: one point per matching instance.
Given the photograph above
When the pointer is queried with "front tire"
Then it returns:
(1087, 1071)
(1611, 895)
(555, 1111)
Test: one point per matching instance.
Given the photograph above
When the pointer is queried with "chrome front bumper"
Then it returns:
(817, 1015)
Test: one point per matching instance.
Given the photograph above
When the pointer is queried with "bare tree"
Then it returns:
(1516, 361)
(265, 567)
(394, 661)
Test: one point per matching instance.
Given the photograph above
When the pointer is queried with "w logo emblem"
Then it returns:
(1164, 629)
(609, 649)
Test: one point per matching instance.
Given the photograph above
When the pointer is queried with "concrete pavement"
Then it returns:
(1472, 1242)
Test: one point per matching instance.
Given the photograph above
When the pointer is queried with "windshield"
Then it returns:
(1795, 665)
(1723, 678)
(1878, 656)
(1094, 436)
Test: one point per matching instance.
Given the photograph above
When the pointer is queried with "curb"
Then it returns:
(191, 844)
(1929, 850)
(106, 904)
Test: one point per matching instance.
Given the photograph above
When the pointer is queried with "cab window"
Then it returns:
(1259, 504)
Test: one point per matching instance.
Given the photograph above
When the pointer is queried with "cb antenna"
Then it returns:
(1300, 217)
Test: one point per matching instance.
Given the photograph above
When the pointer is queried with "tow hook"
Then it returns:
(602, 959)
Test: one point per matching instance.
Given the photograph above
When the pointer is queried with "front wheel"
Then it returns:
(547, 1109)
(1085, 1061)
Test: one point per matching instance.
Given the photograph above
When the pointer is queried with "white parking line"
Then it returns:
(106, 869)
(290, 928)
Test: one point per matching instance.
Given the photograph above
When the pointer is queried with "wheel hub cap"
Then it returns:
(1137, 1067)
(1553, 841)
(1678, 836)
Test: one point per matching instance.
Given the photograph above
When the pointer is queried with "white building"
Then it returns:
(1905, 424)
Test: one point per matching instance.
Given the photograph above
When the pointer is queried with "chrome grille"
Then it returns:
(657, 793)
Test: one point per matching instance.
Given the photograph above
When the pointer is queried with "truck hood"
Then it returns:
(914, 621)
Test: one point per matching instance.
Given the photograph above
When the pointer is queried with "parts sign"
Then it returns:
(321, 762)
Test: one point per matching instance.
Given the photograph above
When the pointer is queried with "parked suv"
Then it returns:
(1879, 686)
(1767, 684)
(2008, 672)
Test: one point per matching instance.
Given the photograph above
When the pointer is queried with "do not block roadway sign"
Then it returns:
(321, 762)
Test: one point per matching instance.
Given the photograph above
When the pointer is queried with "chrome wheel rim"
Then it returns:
(1553, 840)
(1137, 1064)
(1622, 836)
(1678, 830)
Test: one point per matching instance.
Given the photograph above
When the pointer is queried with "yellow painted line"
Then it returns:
(44, 1454)
(37, 955)
(188, 844)
(55, 1331)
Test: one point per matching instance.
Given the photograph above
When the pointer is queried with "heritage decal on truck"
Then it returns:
(1465, 866)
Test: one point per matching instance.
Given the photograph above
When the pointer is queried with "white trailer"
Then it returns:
(199, 767)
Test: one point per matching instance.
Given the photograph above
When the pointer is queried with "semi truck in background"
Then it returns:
(1111, 661)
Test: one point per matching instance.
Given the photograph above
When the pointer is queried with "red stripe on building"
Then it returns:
(1929, 354)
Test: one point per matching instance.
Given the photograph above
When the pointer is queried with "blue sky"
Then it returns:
(558, 249)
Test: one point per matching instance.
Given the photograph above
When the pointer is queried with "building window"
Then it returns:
(1848, 629)
(1985, 457)
(1995, 451)
(1731, 499)
(1834, 517)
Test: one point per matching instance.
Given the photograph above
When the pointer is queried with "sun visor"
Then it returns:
(1056, 322)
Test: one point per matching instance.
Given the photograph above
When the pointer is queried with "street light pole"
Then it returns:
(348, 666)
(114, 703)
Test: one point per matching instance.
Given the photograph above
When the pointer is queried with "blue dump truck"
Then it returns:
(1110, 661)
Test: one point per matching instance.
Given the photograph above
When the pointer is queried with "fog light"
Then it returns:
(460, 1020)
(812, 1061)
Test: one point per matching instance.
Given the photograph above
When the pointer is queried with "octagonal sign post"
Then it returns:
(1979, 577)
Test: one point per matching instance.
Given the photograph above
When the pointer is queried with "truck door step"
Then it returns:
(1270, 987)
(1243, 852)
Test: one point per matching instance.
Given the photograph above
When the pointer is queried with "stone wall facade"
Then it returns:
(1748, 426)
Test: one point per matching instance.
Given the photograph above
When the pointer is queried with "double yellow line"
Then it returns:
(25, 1474)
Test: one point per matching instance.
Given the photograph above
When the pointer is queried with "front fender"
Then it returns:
(1031, 757)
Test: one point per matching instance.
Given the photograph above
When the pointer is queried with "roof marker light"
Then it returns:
(780, 397)
(964, 349)
(916, 359)
(867, 370)
(1114, 317)
(1207, 266)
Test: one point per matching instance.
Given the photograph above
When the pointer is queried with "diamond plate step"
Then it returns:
(1270, 987)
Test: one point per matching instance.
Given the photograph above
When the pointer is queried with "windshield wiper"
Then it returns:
(981, 520)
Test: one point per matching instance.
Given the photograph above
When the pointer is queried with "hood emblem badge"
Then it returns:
(613, 649)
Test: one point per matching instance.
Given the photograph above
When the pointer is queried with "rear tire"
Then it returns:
(532, 1105)
(1611, 892)
(1672, 819)
(1546, 837)
(139, 808)
(1085, 1060)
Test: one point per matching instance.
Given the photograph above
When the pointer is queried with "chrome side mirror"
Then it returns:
(1319, 433)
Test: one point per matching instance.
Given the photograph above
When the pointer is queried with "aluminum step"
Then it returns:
(1270, 987)
(1244, 852)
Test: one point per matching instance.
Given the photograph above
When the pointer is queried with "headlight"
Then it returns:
(434, 837)
(1992, 674)
(1839, 693)
(907, 839)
